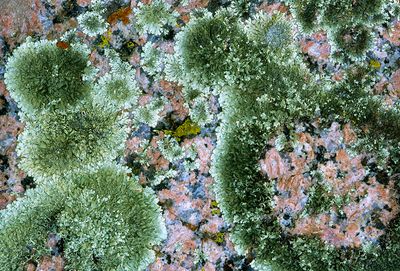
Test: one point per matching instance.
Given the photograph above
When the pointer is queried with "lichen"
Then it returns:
(153, 18)
(40, 73)
(71, 140)
(92, 23)
(187, 128)
(265, 93)
(349, 23)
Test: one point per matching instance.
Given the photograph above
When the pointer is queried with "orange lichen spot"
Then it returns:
(271, 8)
(295, 183)
(62, 44)
(83, 3)
(185, 18)
(121, 14)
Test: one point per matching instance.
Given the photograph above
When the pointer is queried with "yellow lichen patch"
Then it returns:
(214, 208)
(186, 129)
(105, 40)
(216, 212)
(131, 44)
(214, 204)
(375, 64)
(219, 238)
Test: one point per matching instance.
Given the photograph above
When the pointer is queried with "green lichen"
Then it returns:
(153, 18)
(353, 41)
(151, 59)
(117, 88)
(200, 111)
(320, 199)
(149, 113)
(170, 149)
(216, 34)
(40, 74)
(71, 138)
(25, 225)
(101, 228)
(92, 23)
(263, 93)
(350, 23)
(305, 12)
(273, 31)
(59, 141)
(110, 229)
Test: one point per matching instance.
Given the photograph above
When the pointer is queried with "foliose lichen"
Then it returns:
(265, 91)
(71, 140)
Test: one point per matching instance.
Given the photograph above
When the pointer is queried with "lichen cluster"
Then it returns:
(81, 137)
(350, 24)
(153, 18)
(75, 129)
(92, 22)
(41, 73)
(266, 92)
(306, 168)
